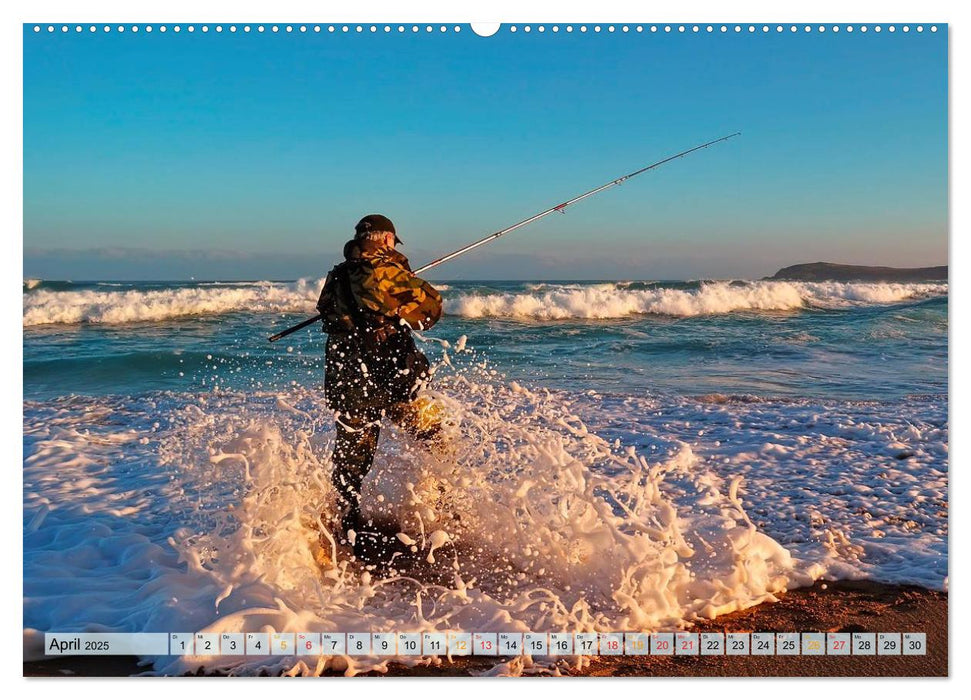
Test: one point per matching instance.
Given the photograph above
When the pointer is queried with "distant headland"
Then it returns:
(831, 272)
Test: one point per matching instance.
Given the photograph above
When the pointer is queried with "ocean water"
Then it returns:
(626, 455)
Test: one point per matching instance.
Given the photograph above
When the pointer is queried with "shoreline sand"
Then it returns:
(843, 606)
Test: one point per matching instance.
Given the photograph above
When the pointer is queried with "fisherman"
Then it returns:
(369, 305)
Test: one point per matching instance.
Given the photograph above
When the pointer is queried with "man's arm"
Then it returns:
(420, 304)
(326, 291)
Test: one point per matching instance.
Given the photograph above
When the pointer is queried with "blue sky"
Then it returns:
(251, 156)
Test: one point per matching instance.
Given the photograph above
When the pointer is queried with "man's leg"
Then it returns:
(422, 419)
(357, 440)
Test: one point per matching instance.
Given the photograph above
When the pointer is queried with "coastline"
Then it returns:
(842, 606)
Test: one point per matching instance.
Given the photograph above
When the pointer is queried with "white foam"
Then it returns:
(97, 306)
(860, 487)
(576, 512)
(200, 524)
(600, 301)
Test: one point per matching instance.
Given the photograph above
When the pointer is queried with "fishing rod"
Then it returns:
(525, 222)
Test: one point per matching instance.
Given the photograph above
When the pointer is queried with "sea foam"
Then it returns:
(200, 522)
(553, 511)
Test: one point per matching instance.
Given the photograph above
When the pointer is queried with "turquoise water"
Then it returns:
(835, 345)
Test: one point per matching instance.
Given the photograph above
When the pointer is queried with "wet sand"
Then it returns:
(847, 606)
(840, 607)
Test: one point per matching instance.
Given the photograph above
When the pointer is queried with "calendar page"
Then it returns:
(543, 348)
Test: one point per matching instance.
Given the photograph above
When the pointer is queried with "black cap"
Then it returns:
(376, 222)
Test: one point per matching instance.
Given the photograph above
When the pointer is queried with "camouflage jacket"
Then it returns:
(375, 287)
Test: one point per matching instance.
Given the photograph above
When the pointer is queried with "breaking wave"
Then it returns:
(601, 301)
(543, 302)
(42, 306)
